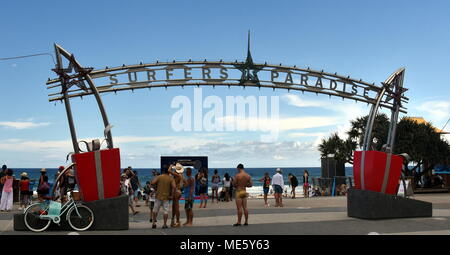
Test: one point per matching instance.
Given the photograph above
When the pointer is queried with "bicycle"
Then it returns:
(38, 216)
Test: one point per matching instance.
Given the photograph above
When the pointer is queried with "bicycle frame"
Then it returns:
(57, 218)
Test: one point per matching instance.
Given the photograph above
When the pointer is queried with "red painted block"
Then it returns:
(375, 171)
(92, 171)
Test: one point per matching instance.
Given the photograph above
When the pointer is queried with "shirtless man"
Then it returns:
(241, 181)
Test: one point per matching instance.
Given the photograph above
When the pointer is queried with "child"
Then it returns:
(151, 200)
(24, 185)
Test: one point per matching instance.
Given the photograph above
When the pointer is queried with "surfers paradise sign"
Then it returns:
(220, 73)
(78, 81)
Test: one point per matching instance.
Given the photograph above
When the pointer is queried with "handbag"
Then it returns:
(44, 186)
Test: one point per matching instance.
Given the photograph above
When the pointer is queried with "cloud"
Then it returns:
(220, 153)
(23, 124)
(435, 111)
(295, 100)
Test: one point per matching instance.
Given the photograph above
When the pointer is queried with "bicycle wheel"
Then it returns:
(80, 223)
(32, 219)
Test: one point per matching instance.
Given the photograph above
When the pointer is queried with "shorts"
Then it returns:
(151, 205)
(241, 194)
(136, 193)
(25, 192)
(165, 205)
(130, 200)
(305, 184)
(215, 186)
(278, 189)
(188, 204)
(266, 190)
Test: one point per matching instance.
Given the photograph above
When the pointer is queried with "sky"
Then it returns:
(367, 40)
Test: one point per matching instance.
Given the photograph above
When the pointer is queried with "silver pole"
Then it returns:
(73, 133)
(94, 90)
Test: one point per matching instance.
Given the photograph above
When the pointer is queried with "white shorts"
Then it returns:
(165, 205)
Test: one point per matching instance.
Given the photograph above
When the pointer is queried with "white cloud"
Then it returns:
(23, 124)
(435, 111)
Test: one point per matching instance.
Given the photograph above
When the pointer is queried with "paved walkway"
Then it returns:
(312, 216)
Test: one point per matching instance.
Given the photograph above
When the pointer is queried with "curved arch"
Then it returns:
(162, 74)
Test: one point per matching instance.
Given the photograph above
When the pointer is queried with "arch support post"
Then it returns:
(80, 74)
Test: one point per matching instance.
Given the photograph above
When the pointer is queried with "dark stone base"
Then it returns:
(109, 214)
(366, 204)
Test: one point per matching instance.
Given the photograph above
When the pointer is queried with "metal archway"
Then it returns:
(72, 83)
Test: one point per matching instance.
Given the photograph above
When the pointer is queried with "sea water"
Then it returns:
(145, 174)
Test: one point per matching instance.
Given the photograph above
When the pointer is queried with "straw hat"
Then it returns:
(24, 174)
(43, 170)
(179, 168)
(278, 170)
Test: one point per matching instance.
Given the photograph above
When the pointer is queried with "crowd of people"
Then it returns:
(165, 190)
(176, 182)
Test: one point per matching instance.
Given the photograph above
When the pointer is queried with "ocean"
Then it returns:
(144, 175)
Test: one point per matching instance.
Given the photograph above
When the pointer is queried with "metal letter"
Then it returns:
(288, 78)
(319, 82)
(151, 75)
(273, 74)
(206, 72)
(113, 79)
(187, 74)
(304, 79)
(333, 84)
(354, 89)
(168, 73)
(129, 77)
(223, 73)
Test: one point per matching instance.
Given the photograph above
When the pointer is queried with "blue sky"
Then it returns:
(364, 39)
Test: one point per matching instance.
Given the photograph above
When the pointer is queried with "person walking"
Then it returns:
(43, 186)
(242, 181)
(177, 174)
(203, 189)
(226, 186)
(24, 186)
(266, 186)
(165, 187)
(128, 190)
(278, 187)
(293, 182)
(136, 186)
(6, 202)
(189, 188)
(305, 183)
(215, 180)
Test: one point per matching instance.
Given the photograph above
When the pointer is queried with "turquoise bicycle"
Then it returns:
(38, 216)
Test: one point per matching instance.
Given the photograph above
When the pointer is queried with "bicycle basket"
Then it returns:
(54, 208)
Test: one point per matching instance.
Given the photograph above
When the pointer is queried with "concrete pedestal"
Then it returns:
(366, 204)
(109, 214)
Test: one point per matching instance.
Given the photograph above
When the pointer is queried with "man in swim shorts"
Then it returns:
(241, 181)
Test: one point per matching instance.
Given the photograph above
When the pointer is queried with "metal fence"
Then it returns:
(336, 186)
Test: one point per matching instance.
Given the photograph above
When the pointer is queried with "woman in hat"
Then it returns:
(24, 185)
(178, 177)
(43, 185)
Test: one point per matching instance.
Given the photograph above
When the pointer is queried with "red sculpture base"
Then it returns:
(381, 171)
(98, 174)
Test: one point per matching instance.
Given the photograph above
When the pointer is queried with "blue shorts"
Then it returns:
(278, 189)
(266, 190)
